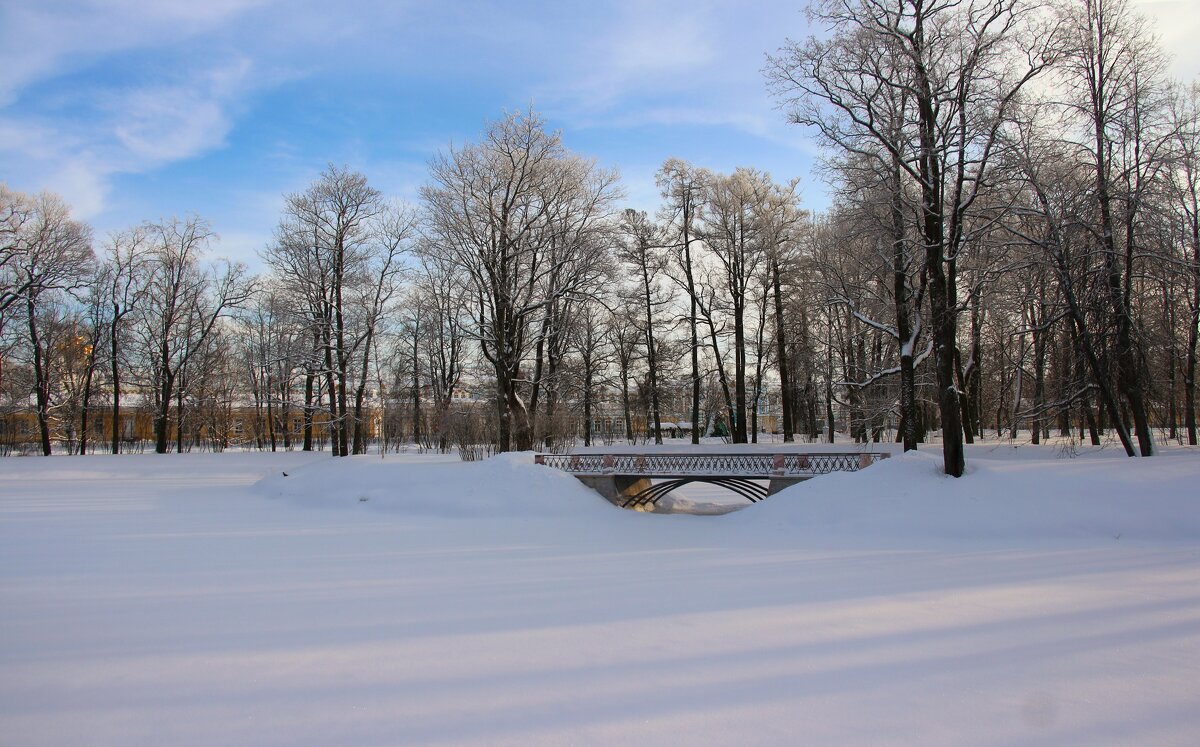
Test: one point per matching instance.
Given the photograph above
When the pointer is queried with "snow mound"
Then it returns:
(1008, 495)
(507, 485)
(1004, 496)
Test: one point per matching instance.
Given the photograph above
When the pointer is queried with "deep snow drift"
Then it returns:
(1009, 495)
(209, 599)
(508, 486)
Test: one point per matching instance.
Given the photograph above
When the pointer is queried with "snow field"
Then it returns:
(208, 599)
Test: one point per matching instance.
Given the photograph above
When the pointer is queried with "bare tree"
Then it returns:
(735, 233)
(624, 336)
(960, 65)
(587, 342)
(1185, 192)
(124, 284)
(440, 293)
(512, 214)
(683, 187)
(1052, 224)
(183, 302)
(16, 211)
(383, 274)
(336, 248)
(48, 254)
(92, 326)
(1115, 72)
(641, 250)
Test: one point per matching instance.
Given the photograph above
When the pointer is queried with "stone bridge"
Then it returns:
(626, 479)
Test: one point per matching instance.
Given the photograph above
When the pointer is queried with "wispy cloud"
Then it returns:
(164, 123)
(125, 131)
(43, 39)
(645, 47)
(96, 122)
(260, 94)
(675, 64)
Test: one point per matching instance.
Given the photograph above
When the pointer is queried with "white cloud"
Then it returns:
(96, 88)
(1177, 23)
(129, 131)
(637, 48)
(75, 142)
(167, 123)
(675, 64)
(43, 39)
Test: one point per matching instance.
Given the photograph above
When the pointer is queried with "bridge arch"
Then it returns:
(745, 487)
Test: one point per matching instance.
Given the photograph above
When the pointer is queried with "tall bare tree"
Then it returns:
(183, 301)
(1185, 191)
(1115, 71)
(736, 234)
(517, 214)
(124, 284)
(641, 250)
(338, 249)
(961, 65)
(48, 253)
(683, 187)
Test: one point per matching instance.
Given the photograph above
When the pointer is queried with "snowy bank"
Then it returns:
(187, 600)
(505, 486)
(1007, 494)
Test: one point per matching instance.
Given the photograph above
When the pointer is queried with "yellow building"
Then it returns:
(204, 428)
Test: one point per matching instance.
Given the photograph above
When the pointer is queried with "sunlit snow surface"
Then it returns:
(209, 600)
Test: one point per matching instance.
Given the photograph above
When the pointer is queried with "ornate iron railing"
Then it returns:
(738, 465)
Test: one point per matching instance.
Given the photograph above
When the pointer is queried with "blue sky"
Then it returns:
(138, 109)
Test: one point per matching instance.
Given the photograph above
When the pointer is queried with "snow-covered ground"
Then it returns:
(210, 600)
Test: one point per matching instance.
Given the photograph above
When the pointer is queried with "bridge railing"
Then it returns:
(764, 465)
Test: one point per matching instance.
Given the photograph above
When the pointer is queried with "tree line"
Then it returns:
(1020, 169)
(1013, 244)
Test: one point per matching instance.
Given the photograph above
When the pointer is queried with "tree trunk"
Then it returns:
(41, 377)
(830, 422)
(941, 306)
(785, 386)
(587, 400)
(739, 369)
(651, 359)
(307, 415)
(940, 270)
(539, 362)
(165, 392)
(625, 400)
(695, 367)
(1039, 367)
(116, 380)
(331, 397)
(1189, 370)
(270, 411)
(416, 393)
(84, 412)
(179, 421)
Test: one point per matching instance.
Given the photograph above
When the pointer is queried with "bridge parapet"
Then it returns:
(624, 479)
(740, 465)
